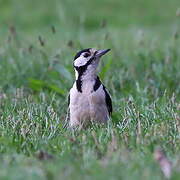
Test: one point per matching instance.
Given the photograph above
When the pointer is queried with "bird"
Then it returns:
(88, 101)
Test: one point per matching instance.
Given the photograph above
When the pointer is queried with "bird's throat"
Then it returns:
(85, 80)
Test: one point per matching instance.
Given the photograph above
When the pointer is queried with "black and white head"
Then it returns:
(87, 60)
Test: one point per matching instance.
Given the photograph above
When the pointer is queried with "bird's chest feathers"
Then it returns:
(88, 80)
(88, 96)
(83, 90)
(84, 96)
(87, 87)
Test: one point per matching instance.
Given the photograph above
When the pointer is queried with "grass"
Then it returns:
(37, 43)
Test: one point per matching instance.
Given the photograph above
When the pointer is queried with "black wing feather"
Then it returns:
(97, 84)
(108, 101)
(68, 99)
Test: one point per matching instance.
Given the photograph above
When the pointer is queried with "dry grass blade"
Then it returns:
(164, 163)
(70, 44)
(111, 148)
(3, 96)
(113, 144)
(42, 155)
(53, 29)
(178, 12)
(12, 30)
(41, 41)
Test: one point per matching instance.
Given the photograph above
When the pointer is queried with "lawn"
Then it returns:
(38, 40)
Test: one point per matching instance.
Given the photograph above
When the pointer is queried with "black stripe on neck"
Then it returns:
(81, 70)
(79, 84)
(97, 84)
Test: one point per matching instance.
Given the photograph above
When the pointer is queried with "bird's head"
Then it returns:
(88, 58)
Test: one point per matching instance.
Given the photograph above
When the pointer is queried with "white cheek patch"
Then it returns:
(81, 61)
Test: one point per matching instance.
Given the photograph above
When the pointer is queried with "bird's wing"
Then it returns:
(107, 96)
(108, 100)
(68, 99)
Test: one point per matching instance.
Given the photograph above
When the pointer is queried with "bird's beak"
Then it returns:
(100, 53)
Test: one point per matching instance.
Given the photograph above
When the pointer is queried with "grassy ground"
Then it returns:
(38, 40)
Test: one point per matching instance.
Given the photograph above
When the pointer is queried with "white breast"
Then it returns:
(88, 105)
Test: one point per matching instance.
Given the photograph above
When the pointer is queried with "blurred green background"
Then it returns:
(71, 16)
(38, 40)
(56, 30)
(32, 15)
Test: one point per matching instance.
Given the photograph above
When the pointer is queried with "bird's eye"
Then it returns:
(86, 55)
